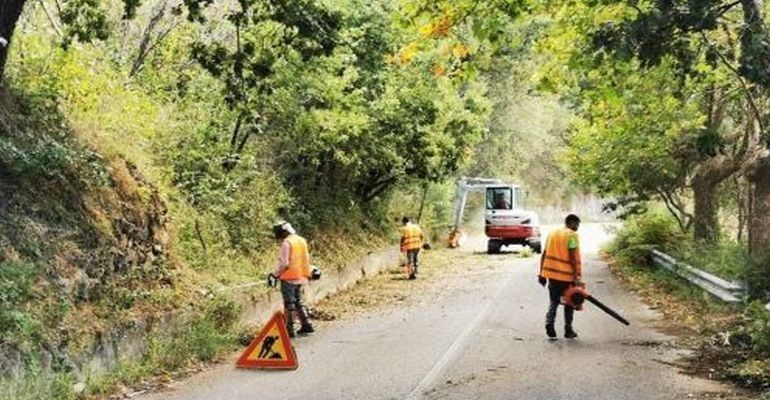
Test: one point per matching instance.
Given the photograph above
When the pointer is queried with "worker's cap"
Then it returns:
(281, 227)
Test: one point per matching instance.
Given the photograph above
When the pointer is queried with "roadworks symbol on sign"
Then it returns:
(271, 349)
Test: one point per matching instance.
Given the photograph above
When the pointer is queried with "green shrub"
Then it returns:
(16, 280)
(641, 233)
(726, 259)
(758, 327)
(223, 312)
(758, 277)
(436, 213)
(37, 386)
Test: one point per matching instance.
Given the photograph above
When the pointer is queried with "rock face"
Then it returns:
(131, 219)
(84, 242)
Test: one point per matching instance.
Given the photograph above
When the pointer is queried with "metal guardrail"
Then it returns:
(727, 291)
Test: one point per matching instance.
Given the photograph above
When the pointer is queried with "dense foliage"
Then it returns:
(669, 110)
(340, 115)
(193, 129)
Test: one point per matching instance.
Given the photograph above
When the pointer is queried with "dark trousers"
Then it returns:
(412, 256)
(292, 303)
(555, 290)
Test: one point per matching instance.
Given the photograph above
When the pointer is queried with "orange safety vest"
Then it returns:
(411, 237)
(556, 264)
(299, 259)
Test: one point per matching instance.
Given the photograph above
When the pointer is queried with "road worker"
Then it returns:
(561, 267)
(411, 242)
(293, 270)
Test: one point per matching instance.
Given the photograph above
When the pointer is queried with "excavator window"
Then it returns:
(499, 198)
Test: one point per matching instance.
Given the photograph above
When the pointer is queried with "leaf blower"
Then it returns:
(575, 296)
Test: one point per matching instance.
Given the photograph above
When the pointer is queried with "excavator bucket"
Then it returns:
(454, 239)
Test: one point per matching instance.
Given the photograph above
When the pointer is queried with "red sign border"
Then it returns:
(291, 354)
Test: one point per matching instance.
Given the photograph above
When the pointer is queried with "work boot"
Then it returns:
(305, 329)
(569, 333)
(304, 319)
(550, 331)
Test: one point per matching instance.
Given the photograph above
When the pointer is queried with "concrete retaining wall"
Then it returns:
(258, 309)
(131, 343)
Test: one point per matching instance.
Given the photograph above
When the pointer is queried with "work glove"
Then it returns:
(541, 280)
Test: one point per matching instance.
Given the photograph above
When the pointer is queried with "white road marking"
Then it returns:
(456, 346)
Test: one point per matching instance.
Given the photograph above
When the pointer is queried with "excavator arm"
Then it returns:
(466, 185)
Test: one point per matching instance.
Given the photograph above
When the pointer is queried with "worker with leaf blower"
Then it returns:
(411, 243)
(561, 267)
(293, 271)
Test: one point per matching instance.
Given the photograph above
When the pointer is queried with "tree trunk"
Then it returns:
(10, 11)
(706, 210)
(759, 218)
(741, 199)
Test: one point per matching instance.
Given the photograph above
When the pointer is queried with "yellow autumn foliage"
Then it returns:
(460, 51)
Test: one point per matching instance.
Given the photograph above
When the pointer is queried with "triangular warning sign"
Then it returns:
(271, 349)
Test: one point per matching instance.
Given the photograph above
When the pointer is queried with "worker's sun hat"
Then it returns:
(281, 226)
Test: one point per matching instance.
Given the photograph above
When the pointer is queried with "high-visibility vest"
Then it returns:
(299, 259)
(556, 264)
(411, 237)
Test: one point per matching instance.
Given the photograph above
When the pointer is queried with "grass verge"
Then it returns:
(730, 342)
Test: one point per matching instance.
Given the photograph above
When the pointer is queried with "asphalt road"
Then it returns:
(480, 336)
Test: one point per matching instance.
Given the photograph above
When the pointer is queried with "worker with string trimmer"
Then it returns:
(561, 266)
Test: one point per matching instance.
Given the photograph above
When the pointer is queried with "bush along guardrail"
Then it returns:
(727, 291)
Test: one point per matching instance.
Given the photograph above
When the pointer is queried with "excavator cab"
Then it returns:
(506, 222)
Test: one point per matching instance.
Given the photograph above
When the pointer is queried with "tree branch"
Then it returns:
(719, 12)
(51, 19)
(376, 189)
(148, 45)
(746, 88)
(676, 209)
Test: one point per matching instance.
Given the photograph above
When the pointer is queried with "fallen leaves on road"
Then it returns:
(438, 270)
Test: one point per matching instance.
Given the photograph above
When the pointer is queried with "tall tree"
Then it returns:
(695, 41)
(10, 11)
(85, 21)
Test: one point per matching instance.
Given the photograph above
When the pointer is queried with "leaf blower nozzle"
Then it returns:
(575, 296)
